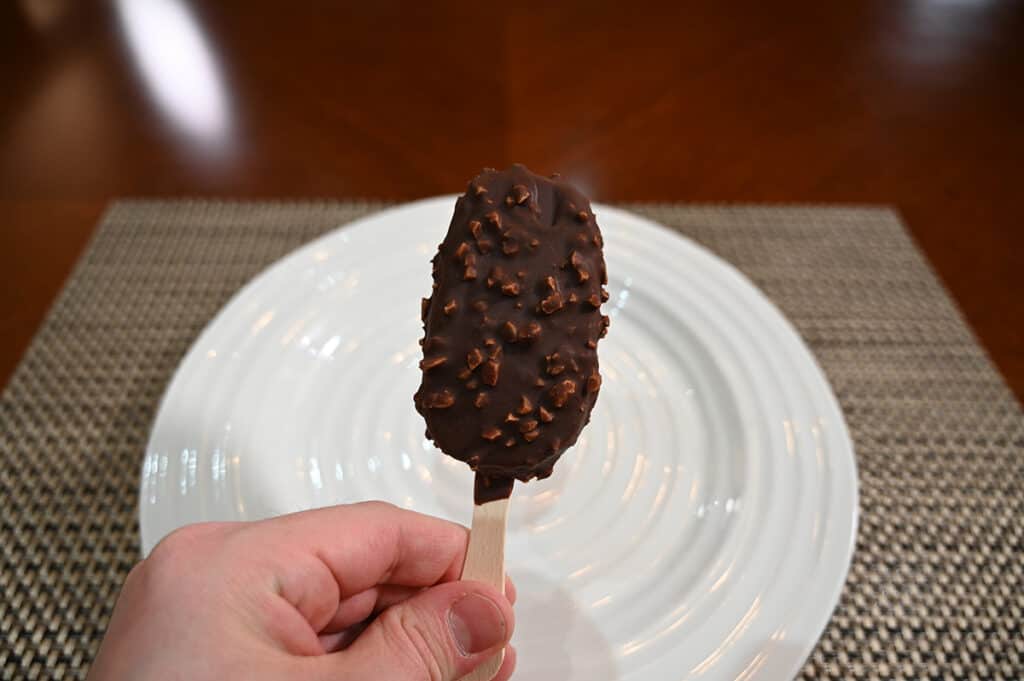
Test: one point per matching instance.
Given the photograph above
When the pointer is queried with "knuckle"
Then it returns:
(135, 576)
(377, 506)
(177, 540)
(179, 548)
(416, 647)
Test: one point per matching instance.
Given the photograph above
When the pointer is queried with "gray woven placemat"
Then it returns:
(935, 589)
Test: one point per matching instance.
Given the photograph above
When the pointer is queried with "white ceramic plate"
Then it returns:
(702, 526)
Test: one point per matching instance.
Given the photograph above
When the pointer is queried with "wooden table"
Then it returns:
(918, 104)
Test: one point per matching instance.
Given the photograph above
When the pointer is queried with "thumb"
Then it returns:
(441, 634)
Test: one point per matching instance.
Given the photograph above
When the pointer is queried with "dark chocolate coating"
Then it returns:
(510, 371)
(486, 489)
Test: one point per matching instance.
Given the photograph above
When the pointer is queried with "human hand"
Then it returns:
(366, 591)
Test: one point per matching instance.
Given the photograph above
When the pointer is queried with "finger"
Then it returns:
(354, 613)
(340, 640)
(510, 590)
(321, 557)
(360, 607)
(365, 604)
(442, 633)
(508, 665)
(376, 543)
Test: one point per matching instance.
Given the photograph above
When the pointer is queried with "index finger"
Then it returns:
(368, 544)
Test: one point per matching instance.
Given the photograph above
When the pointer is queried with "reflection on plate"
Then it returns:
(701, 528)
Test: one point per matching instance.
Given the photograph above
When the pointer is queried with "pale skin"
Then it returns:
(365, 591)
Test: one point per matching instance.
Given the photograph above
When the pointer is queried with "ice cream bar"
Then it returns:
(510, 370)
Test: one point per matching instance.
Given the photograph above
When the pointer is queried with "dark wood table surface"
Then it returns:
(918, 104)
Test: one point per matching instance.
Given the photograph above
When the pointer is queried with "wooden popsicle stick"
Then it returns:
(485, 562)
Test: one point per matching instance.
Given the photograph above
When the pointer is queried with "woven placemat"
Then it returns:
(935, 588)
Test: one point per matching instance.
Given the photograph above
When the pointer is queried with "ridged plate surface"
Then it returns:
(701, 528)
